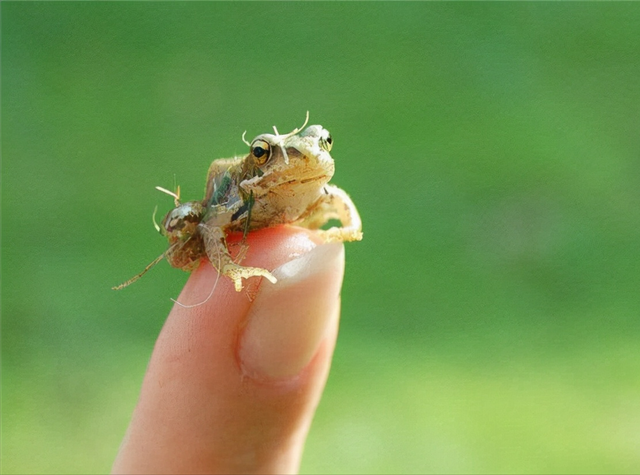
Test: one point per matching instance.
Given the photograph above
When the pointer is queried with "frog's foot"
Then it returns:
(334, 203)
(236, 273)
(340, 234)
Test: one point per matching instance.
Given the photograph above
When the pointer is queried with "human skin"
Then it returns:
(232, 384)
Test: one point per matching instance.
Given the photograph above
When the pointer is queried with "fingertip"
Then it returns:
(268, 248)
(198, 410)
(288, 321)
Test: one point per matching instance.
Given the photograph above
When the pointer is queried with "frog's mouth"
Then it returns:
(296, 180)
(324, 178)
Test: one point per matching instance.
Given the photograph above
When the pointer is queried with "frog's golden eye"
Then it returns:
(327, 142)
(261, 151)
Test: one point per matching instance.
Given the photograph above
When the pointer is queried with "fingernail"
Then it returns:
(288, 320)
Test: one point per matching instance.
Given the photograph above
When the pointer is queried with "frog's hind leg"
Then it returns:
(136, 277)
(218, 254)
(334, 204)
(165, 255)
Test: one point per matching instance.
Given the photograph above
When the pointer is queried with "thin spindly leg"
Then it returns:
(218, 254)
(334, 204)
(134, 278)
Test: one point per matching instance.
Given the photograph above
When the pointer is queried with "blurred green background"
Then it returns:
(491, 314)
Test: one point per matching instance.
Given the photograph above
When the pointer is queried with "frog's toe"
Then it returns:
(341, 234)
(236, 273)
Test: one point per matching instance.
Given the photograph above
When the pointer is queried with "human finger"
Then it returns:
(232, 384)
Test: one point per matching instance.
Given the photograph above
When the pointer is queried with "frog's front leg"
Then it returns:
(334, 203)
(216, 248)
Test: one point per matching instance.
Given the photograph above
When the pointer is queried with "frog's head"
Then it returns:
(297, 159)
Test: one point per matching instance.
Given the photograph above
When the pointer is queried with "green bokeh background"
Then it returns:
(490, 315)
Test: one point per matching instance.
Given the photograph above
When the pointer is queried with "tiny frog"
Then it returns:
(283, 180)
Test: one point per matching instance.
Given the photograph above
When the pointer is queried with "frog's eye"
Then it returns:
(326, 142)
(261, 151)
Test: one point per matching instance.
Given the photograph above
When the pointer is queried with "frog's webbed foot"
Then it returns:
(237, 272)
(334, 204)
(218, 254)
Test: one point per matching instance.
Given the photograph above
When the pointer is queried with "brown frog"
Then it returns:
(283, 180)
